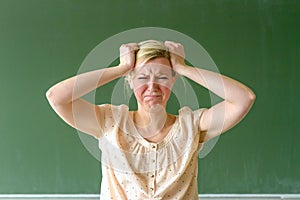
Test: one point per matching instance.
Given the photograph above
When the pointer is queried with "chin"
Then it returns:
(155, 107)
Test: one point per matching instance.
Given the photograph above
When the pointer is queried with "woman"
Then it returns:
(149, 153)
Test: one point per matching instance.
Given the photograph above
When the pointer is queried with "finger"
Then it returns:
(172, 44)
(132, 46)
(175, 48)
(128, 48)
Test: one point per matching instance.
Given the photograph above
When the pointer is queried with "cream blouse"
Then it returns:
(133, 168)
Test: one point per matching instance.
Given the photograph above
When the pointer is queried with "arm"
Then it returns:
(65, 97)
(238, 98)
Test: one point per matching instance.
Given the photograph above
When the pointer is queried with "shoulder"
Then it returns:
(113, 109)
(191, 117)
(111, 106)
(187, 111)
(112, 114)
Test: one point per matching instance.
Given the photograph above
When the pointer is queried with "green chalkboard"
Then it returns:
(254, 41)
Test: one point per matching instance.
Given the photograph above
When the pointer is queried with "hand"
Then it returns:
(177, 55)
(127, 55)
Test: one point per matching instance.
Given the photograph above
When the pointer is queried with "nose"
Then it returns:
(152, 85)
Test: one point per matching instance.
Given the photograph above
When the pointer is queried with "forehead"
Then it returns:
(157, 65)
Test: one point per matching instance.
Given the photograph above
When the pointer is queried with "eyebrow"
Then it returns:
(158, 74)
(140, 74)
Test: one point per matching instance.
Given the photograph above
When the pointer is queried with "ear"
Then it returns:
(175, 76)
(130, 82)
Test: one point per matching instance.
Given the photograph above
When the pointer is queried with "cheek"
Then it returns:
(138, 91)
(166, 86)
(137, 84)
(166, 90)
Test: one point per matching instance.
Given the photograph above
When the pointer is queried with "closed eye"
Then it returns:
(142, 77)
(162, 77)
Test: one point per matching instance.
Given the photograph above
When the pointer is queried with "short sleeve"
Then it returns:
(197, 118)
(192, 118)
(110, 117)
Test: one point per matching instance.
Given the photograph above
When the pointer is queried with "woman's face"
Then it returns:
(153, 82)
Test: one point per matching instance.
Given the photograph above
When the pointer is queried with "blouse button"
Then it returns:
(152, 176)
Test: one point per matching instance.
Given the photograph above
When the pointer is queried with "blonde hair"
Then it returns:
(148, 50)
(151, 49)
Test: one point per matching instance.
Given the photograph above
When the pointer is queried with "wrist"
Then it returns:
(124, 69)
(179, 68)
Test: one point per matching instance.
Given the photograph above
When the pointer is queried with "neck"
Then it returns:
(150, 122)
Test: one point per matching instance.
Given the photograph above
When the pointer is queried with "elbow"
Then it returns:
(55, 98)
(249, 101)
(245, 101)
(48, 94)
(51, 97)
(252, 97)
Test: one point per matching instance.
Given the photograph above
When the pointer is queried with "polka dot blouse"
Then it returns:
(134, 168)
